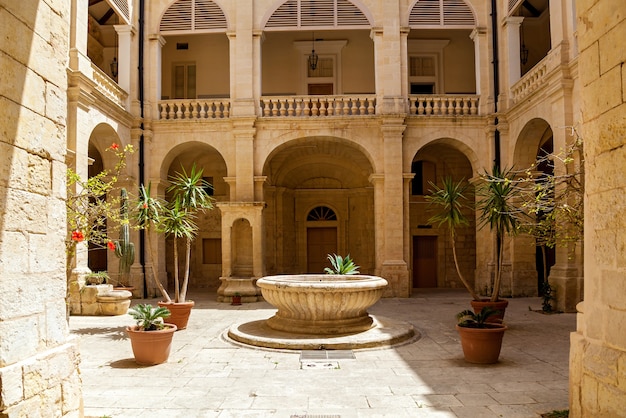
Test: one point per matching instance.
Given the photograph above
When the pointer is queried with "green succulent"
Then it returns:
(341, 265)
(470, 319)
(148, 317)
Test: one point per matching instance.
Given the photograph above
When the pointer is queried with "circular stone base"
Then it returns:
(385, 332)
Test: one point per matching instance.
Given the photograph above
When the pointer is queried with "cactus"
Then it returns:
(124, 249)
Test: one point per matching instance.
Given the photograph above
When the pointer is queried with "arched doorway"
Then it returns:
(321, 237)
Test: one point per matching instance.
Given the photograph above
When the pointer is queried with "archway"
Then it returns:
(432, 260)
(310, 173)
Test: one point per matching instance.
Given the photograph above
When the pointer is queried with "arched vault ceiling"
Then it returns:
(298, 164)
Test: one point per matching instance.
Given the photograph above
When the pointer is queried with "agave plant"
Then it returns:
(341, 265)
(470, 319)
(148, 317)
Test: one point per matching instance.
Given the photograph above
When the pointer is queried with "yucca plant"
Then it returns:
(449, 201)
(341, 265)
(498, 209)
(148, 215)
(148, 317)
(189, 196)
(470, 319)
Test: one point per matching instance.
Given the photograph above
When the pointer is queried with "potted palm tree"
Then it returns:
(151, 337)
(189, 196)
(497, 208)
(449, 203)
(481, 339)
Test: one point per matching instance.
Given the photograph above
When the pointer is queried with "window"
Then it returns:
(425, 61)
(210, 190)
(184, 81)
(424, 174)
(326, 78)
(211, 251)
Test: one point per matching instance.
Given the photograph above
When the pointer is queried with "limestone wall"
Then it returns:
(598, 350)
(38, 360)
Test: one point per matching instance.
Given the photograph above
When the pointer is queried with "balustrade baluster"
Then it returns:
(307, 106)
(282, 110)
(331, 106)
(371, 109)
(361, 106)
(179, 111)
(226, 107)
(429, 107)
(162, 112)
(274, 104)
(420, 106)
(314, 107)
(412, 106)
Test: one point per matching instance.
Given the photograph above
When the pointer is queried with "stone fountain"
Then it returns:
(322, 311)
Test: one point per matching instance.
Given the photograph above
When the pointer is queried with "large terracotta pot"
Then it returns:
(151, 347)
(499, 305)
(482, 345)
(180, 312)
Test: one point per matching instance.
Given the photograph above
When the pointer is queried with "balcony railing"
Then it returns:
(277, 106)
(195, 109)
(538, 76)
(108, 87)
(443, 105)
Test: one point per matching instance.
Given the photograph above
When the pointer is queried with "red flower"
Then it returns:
(145, 206)
(111, 245)
(78, 236)
(114, 146)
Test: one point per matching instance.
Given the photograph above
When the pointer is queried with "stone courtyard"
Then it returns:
(207, 376)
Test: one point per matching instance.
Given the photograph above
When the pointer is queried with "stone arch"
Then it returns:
(206, 264)
(432, 261)
(534, 140)
(310, 172)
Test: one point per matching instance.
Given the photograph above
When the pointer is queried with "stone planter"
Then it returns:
(321, 304)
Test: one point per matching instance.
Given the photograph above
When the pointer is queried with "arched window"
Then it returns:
(321, 213)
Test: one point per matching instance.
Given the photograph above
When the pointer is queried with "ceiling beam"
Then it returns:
(106, 16)
(533, 11)
(94, 2)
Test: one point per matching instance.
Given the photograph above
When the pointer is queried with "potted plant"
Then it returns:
(481, 339)
(236, 299)
(151, 337)
(97, 278)
(177, 219)
(449, 203)
(497, 208)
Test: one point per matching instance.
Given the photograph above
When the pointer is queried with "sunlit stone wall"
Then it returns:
(598, 350)
(38, 361)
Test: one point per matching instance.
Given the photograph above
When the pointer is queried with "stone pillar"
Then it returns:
(243, 132)
(513, 60)
(243, 66)
(152, 78)
(124, 55)
(598, 347)
(38, 358)
(393, 265)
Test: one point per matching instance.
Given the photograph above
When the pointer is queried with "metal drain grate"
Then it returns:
(323, 355)
(315, 416)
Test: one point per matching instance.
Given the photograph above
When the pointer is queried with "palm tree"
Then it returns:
(189, 196)
(498, 209)
(449, 200)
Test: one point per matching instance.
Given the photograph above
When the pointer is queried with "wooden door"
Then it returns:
(424, 262)
(320, 243)
(325, 89)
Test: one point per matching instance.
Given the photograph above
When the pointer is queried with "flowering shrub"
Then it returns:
(88, 209)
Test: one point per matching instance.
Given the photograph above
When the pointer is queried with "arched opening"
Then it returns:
(319, 201)
(242, 248)
(432, 260)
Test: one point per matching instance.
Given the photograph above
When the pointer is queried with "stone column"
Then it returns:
(482, 66)
(124, 55)
(38, 357)
(393, 265)
(243, 132)
(513, 60)
(598, 347)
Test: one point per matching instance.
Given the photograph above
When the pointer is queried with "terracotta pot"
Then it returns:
(151, 347)
(499, 305)
(180, 312)
(482, 345)
(236, 301)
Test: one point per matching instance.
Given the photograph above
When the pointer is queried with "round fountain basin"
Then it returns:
(321, 304)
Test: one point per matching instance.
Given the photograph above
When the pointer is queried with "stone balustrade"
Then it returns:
(443, 105)
(529, 83)
(276, 106)
(190, 109)
(108, 87)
